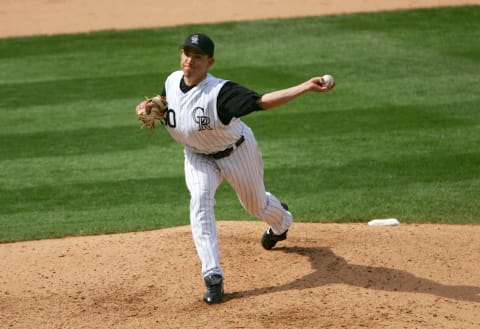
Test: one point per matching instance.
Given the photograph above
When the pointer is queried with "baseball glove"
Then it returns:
(151, 110)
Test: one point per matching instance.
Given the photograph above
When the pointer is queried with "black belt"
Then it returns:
(225, 153)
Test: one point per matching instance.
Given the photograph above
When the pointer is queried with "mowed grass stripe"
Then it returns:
(398, 137)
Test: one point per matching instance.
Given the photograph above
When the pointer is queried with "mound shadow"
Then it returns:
(328, 268)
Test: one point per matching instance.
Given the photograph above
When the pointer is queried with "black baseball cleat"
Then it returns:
(214, 292)
(270, 239)
(284, 206)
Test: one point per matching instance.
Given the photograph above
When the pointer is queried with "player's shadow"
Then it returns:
(329, 268)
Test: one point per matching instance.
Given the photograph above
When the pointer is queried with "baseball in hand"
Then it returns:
(328, 80)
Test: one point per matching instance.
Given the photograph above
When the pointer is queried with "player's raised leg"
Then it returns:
(244, 171)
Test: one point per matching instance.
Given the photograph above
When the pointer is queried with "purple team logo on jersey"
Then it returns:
(200, 119)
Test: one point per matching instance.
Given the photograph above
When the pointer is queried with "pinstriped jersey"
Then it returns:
(192, 117)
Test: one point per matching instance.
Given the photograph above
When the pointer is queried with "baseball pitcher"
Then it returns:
(203, 113)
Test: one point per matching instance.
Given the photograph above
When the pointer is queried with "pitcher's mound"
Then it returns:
(322, 276)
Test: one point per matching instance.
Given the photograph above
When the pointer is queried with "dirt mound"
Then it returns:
(323, 276)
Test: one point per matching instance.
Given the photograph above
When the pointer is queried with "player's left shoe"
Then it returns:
(214, 292)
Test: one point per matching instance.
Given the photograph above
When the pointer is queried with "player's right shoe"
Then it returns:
(214, 292)
(270, 239)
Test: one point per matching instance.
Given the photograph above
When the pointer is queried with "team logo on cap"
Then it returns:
(194, 39)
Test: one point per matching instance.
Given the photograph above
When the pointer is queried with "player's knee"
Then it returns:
(256, 209)
(201, 201)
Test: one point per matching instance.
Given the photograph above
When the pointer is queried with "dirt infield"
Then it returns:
(28, 17)
(323, 276)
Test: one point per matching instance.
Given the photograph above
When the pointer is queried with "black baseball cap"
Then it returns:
(200, 42)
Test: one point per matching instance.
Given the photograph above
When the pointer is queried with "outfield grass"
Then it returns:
(398, 137)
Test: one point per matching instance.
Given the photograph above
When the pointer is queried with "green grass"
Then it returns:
(398, 137)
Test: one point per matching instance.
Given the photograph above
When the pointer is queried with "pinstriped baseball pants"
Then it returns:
(243, 170)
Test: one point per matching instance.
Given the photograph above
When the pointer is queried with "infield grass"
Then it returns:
(398, 137)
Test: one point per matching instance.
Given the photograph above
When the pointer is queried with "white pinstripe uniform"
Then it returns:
(192, 120)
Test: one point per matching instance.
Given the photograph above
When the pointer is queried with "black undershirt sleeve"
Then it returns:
(235, 101)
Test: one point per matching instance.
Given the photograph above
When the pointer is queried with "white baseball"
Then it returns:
(328, 80)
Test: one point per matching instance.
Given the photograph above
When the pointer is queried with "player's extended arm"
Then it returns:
(283, 96)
